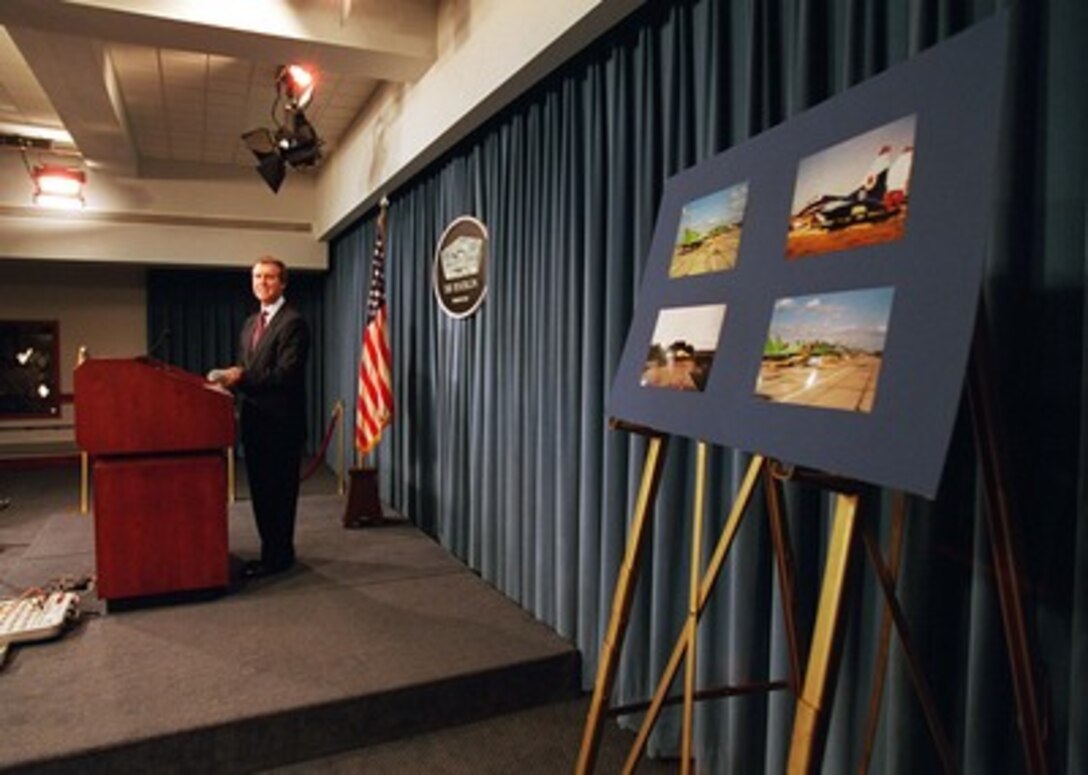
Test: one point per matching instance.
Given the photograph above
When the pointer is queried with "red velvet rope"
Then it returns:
(320, 456)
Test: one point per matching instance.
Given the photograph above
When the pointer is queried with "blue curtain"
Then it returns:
(501, 447)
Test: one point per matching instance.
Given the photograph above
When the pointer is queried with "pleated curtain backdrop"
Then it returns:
(195, 318)
(501, 447)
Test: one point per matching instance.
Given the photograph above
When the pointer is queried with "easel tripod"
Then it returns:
(813, 701)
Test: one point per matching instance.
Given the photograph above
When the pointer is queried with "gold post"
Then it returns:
(230, 476)
(82, 354)
(84, 482)
(341, 453)
(811, 716)
(621, 603)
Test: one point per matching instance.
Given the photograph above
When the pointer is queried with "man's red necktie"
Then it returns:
(262, 323)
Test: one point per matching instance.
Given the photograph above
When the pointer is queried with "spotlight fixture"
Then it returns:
(58, 187)
(294, 140)
(56, 184)
(297, 85)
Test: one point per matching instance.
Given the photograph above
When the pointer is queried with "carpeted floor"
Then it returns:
(368, 618)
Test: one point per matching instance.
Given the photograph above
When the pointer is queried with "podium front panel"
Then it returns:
(160, 524)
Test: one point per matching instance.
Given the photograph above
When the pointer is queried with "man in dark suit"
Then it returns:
(270, 383)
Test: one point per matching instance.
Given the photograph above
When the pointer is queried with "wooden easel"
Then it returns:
(813, 705)
(812, 713)
(701, 586)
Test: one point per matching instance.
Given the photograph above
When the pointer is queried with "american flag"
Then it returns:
(374, 408)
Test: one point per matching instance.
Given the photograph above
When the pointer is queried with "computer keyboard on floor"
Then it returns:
(36, 617)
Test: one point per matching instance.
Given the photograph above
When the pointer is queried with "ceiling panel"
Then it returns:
(174, 101)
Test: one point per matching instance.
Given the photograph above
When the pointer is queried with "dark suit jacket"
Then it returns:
(272, 389)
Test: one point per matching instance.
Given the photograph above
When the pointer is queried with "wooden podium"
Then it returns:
(158, 437)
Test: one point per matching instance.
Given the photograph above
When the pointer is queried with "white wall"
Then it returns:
(227, 220)
(489, 51)
(87, 269)
(102, 307)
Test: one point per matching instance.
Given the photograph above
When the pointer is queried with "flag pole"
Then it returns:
(374, 402)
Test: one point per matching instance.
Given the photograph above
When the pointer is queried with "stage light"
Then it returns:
(270, 165)
(298, 142)
(294, 140)
(297, 85)
(58, 187)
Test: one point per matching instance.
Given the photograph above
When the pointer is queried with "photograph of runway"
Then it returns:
(826, 350)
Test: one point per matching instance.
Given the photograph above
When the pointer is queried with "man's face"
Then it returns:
(267, 283)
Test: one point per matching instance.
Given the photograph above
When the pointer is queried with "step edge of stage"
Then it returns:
(291, 736)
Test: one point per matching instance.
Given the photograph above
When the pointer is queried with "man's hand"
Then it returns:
(228, 378)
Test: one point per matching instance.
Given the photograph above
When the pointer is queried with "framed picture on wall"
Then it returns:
(29, 372)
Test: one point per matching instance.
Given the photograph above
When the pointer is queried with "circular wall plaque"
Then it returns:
(460, 267)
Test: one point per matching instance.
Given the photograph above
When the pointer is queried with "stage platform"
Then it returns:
(377, 634)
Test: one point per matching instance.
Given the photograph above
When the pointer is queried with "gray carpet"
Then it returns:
(378, 641)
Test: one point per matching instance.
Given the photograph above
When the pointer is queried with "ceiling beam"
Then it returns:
(78, 78)
(392, 41)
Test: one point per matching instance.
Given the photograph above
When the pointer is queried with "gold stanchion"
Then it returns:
(84, 482)
(230, 476)
(82, 354)
(342, 471)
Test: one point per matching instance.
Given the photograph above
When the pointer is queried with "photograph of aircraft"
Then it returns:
(846, 197)
(683, 346)
(826, 350)
(708, 238)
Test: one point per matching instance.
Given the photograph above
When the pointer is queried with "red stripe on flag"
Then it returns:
(374, 405)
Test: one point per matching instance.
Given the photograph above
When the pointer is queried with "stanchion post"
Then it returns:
(341, 452)
(230, 476)
(84, 482)
(82, 354)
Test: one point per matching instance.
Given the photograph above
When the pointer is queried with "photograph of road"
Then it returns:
(826, 350)
(854, 193)
(708, 238)
(682, 347)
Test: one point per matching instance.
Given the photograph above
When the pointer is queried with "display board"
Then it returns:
(811, 294)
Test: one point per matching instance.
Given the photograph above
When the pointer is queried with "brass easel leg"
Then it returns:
(1003, 549)
(880, 666)
(921, 686)
(621, 603)
(714, 567)
(692, 624)
(787, 575)
(811, 716)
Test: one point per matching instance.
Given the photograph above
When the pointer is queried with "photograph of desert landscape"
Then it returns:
(854, 193)
(682, 347)
(826, 350)
(708, 238)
